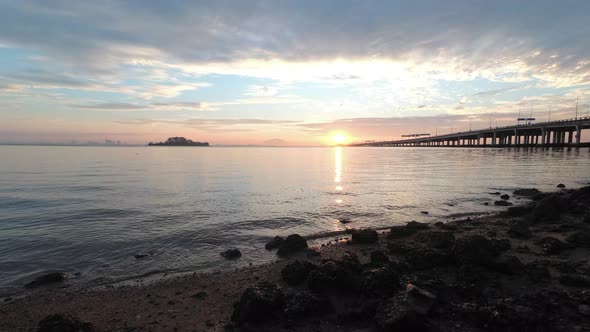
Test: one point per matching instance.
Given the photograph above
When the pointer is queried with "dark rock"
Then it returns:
(410, 228)
(419, 300)
(551, 245)
(439, 224)
(561, 185)
(435, 239)
(425, 258)
(398, 247)
(231, 254)
(365, 236)
(518, 211)
(508, 265)
(295, 273)
(575, 280)
(486, 203)
(526, 192)
(258, 304)
(424, 212)
(341, 276)
(140, 256)
(538, 271)
(50, 278)
(474, 249)
(505, 197)
(519, 229)
(344, 220)
(63, 323)
(497, 193)
(548, 209)
(305, 304)
(502, 203)
(274, 243)
(580, 239)
(199, 295)
(416, 226)
(584, 309)
(383, 281)
(393, 315)
(501, 245)
(379, 258)
(292, 244)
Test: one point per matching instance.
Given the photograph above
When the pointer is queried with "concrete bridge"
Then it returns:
(561, 133)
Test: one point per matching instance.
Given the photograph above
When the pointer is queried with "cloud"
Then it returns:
(494, 92)
(498, 40)
(164, 106)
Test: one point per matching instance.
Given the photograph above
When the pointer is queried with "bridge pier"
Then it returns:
(578, 134)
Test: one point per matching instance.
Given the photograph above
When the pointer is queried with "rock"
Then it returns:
(140, 256)
(416, 226)
(486, 203)
(575, 280)
(397, 247)
(474, 249)
(46, 279)
(548, 209)
(393, 315)
(561, 186)
(508, 265)
(419, 300)
(364, 236)
(518, 211)
(519, 229)
(580, 239)
(231, 254)
(199, 295)
(584, 309)
(424, 212)
(305, 304)
(436, 239)
(274, 243)
(295, 273)
(505, 197)
(502, 203)
(425, 258)
(292, 244)
(538, 271)
(340, 276)
(345, 220)
(258, 304)
(379, 258)
(526, 192)
(63, 323)
(500, 245)
(551, 245)
(383, 281)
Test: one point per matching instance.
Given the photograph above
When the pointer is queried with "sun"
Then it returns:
(338, 139)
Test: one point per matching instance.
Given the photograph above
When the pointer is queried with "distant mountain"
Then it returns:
(179, 141)
(276, 142)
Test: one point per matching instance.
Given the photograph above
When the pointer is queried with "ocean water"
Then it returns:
(91, 209)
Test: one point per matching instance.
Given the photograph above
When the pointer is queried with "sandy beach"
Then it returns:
(523, 269)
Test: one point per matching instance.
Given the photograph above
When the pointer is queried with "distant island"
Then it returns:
(179, 141)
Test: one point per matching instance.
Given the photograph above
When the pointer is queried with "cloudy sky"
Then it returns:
(285, 72)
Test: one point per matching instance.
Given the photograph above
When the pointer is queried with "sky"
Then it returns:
(285, 72)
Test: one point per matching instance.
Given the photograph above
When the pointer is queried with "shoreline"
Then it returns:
(205, 301)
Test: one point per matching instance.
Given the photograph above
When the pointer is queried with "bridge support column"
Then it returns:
(571, 137)
(543, 136)
(578, 135)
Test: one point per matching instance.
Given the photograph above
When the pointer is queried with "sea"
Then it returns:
(89, 211)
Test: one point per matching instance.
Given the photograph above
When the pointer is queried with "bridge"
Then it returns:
(561, 133)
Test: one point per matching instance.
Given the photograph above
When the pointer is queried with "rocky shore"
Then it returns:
(524, 269)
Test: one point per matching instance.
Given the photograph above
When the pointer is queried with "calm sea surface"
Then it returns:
(91, 209)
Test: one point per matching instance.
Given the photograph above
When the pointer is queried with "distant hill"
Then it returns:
(179, 141)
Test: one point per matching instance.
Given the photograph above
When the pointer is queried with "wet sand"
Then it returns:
(528, 282)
